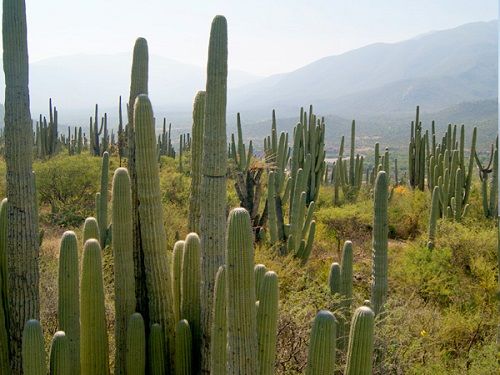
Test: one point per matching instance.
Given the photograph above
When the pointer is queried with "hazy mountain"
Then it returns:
(435, 70)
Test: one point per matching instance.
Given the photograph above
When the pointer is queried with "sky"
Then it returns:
(265, 37)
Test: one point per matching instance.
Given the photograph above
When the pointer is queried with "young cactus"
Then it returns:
(102, 205)
(359, 353)
(68, 307)
(33, 351)
(379, 243)
(60, 359)
(219, 327)
(156, 351)
(267, 323)
(135, 357)
(241, 313)
(94, 339)
(90, 229)
(321, 357)
(178, 254)
(433, 217)
(260, 271)
(183, 347)
(122, 241)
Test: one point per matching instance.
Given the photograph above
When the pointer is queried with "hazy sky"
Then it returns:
(265, 37)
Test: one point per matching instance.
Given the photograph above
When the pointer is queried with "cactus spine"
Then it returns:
(22, 247)
(156, 350)
(190, 293)
(321, 357)
(241, 313)
(122, 239)
(379, 243)
(359, 353)
(33, 351)
(219, 325)
(94, 340)
(102, 204)
(183, 346)
(60, 355)
(69, 297)
(135, 358)
(90, 229)
(196, 162)
(267, 323)
(153, 236)
(213, 183)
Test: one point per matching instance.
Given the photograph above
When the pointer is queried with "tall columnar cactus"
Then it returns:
(433, 217)
(156, 351)
(183, 346)
(60, 355)
(213, 183)
(267, 323)
(417, 154)
(94, 339)
(122, 238)
(102, 208)
(33, 351)
(138, 85)
(4, 335)
(177, 278)
(68, 307)
(196, 162)
(90, 229)
(219, 325)
(260, 271)
(22, 247)
(359, 353)
(321, 357)
(241, 312)
(346, 292)
(490, 200)
(379, 243)
(190, 293)
(153, 236)
(135, 358)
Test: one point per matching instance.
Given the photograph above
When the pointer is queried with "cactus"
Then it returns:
(102, 204)
(416, 153)
(334, 278)
(94, 340)
(135, 358)
(156, 351)
(177, 278)
(433, 217)
(4, 335)
(183, 345)
(346, 292)
(241, 313)
(359, 353)
(196, 162)
(60, 355)
(153, 236)
(260, 271)
(379, 243)
(68, 311)
(213, 183)
(190, 293)
(349, 179)
(22, 247)
(219, 326)
(33, 351)
(321, 357)
(490, 202)
(90, 229)
(123, 262)
(138, 85)
(267, 323)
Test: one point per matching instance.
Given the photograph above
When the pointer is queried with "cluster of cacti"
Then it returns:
(417, 151)
(448, 170)
(490, 198)
(46, 134)
(184, 145)
(348, 178)
(164, 143)
(74, 144)
(248, 185)
(98, 144)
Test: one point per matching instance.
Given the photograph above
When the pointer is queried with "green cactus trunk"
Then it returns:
(4, 303)
(123, 256)
(177, 278)
(33, 350)
(190, 294)
(22, 247)
(94, 339)
(135, 358)
(346, 292)
(68, 311)
(241, 313)
(260, 271)
(183, 347)
(138, 85)
(102, 211)
(359, 353)
(218, 343)
(153, 236)
(321, 357)
(379, 243)
(267, 323)
(213, 184)
(196, 162)
(156, 351)
(60, 355)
